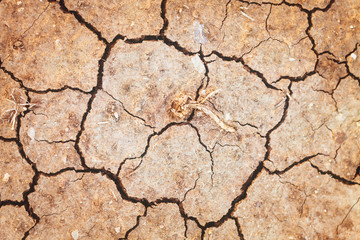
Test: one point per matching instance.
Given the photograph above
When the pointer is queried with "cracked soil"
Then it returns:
(166, 119)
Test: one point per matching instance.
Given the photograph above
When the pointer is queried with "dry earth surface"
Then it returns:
(167, 119)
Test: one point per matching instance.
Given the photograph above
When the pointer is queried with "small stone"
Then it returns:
(31, 133)
(75, 234)
(6, 177)
(199, 36)
(198, 64)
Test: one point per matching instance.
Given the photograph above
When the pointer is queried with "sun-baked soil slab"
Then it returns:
(340, 26)
(161, 222)
(146, 77)
(300, 206)
(320, 123)
(48, 120)
(81, 206)
(15, 221)
(15, 173)
(112, 134)
(133, 19)
(170, 168)
(42, 52)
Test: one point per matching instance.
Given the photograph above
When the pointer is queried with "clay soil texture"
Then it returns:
(180, 119)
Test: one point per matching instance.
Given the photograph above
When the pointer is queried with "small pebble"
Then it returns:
(75, 234)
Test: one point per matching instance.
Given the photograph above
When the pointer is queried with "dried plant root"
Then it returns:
(183, 105)
(213, 116)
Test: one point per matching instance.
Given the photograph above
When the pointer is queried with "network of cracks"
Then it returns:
(180, 119)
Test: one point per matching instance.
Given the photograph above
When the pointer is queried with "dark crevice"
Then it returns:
(135, 226)
(207, 150)
(249, 125)
(148, 143)
(239, 198)
(181, 209)
(128, 112)
(329, 53)
(357, 173)
(288, 168)
(315, 9)
(93, 92)
(186, 217)
(35, 178)
(186, 228)
(121, 189)
(82, 21)
(357, 78)
(347, 214)
(216, 108)
(199, 138)
(177, 46)
(312, 10)
(33, 23)
(310, 24)
(11, 203)
(337, 152)
(26, 234)
(4, 139)
(334, 176)
(226, 14)
(206, 74)
(256, 3)
(192, 188)
(267, 20)
(323, 9)
(164, 39)
(163, 16)
(18, 140)
(56, 141)
(143, 38)
(331, 93)
(339, 79)
(238, 228)
(54, 174)
(298, 78)
(129, 159)
(351, 52)
(65, 87)
(202, 234)
(203, 84)
(338, 83)
(82, 125)
(247, 67)
(257, 45)
(28, 89)
(307, 31)
(282, 120)
(26, 194)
